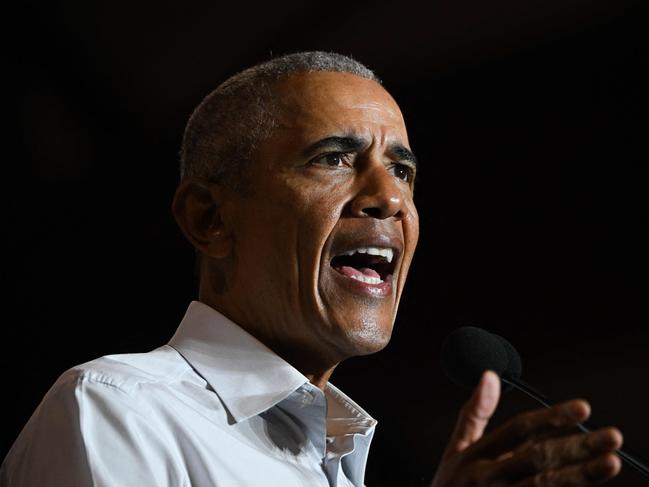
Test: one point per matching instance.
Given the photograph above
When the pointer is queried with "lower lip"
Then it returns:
(380, 290)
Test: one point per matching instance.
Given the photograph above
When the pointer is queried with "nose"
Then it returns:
(379, 196)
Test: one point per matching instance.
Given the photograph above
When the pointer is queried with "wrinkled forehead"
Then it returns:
(323, 103)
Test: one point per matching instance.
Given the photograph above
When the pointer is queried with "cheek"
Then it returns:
(302, 217)
(317, 220)
(411, 226)
(411, 221)
(315, 206)
(410, 235)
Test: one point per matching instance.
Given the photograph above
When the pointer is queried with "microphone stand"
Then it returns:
(536, 395)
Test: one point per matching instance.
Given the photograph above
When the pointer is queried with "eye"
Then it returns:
(403, 172)
(332, 159)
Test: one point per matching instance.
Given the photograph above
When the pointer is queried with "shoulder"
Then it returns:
(97, 422)
(127, 373)
(98, 398)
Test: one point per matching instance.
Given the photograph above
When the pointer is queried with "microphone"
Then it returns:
(468, 351)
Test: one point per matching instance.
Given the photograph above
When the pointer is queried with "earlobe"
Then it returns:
(197, 208)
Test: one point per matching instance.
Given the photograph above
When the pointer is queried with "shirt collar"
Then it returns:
(248, 377)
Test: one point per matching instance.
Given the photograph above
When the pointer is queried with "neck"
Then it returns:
(311, 363)
(320, 380)
(313, 366)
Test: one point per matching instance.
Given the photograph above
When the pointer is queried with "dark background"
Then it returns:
(531, 121)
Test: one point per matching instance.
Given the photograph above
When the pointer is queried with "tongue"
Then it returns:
(352, 271)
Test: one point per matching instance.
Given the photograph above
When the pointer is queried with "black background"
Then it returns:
(531, 121)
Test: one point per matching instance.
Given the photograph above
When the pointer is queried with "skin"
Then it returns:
(266, 258)
(267, 252)
(535, 449)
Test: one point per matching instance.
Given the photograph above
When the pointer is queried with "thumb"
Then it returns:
(475, 414)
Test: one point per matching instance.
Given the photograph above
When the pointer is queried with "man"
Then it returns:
(297, 193)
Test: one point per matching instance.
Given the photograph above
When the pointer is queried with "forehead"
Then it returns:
(325, 103)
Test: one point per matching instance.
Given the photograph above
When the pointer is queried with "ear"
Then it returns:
(197, 208)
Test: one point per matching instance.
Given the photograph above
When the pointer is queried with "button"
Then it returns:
(307, 397)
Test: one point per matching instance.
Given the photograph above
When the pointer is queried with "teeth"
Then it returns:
(368, 279)
(387, 253)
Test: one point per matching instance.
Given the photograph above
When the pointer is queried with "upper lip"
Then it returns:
(346, 243)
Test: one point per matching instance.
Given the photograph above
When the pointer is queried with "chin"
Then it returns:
(368, 338)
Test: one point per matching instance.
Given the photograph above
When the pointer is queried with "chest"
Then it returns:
(274, 448)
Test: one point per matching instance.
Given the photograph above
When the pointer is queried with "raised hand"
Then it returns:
(533, 449)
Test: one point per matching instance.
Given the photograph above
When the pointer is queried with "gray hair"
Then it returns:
(227, 126)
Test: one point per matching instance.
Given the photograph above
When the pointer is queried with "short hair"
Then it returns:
(227, 126)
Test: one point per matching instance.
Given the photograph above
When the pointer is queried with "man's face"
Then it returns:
(331, 188)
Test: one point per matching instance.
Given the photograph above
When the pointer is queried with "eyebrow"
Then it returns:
(343, 144)
(354, 144)
(403, 153)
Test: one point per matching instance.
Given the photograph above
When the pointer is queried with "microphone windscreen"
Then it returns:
(514, 368)
(468, 351)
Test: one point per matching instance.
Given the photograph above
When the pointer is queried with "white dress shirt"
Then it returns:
(214, 407)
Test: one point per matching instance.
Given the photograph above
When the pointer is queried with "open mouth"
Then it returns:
(371, 265)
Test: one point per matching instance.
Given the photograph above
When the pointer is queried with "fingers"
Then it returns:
(531, 425)
(531, 450)
(555, 453)
(593, 472)
(475, 414)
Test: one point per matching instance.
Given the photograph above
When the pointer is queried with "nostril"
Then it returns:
(372, 212)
